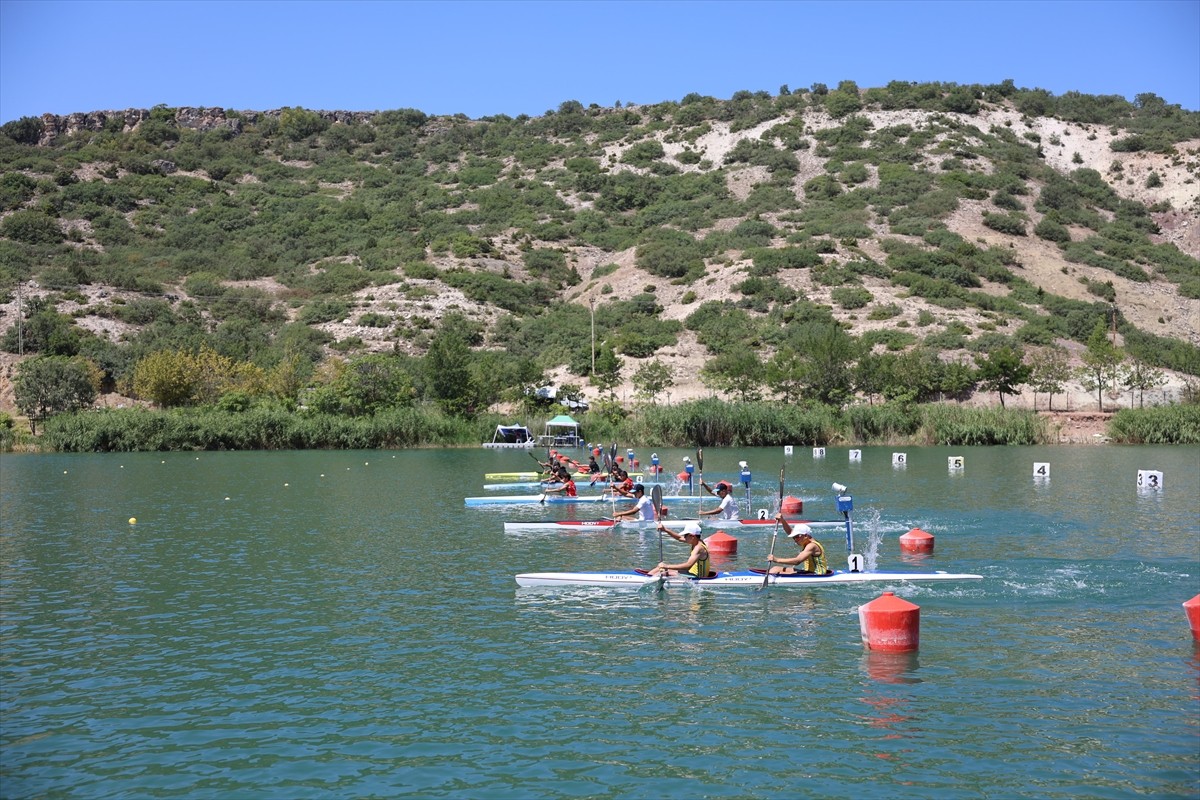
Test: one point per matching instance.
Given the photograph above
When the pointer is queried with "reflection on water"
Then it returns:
(891, 667)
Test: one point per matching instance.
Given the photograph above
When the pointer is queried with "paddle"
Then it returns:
(656, 500)
(700, 468)
(774, 534)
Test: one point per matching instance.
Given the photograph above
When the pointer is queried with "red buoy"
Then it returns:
(683, 476)
(792, 506)
(1192, 609)
(721, 543)
(916, 541)
(890, 624)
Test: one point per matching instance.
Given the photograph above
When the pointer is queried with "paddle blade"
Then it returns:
(656, 499)
(700, 459)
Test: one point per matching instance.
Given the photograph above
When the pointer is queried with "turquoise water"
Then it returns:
(320, 624)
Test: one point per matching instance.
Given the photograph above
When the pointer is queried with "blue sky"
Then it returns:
(483, 58)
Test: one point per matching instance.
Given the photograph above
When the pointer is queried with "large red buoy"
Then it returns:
(1192, 608)
(916, 541)
(721, 543)
(683, 476)
(792, 506)
(890, 624)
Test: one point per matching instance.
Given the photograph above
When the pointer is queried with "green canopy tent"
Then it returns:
(562, 431)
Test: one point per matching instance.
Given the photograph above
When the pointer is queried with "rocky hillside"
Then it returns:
(165, 227)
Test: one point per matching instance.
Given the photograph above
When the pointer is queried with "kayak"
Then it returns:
(533, 476)
(581, 482)
(636, 579)
(520, 499)
(674, 524)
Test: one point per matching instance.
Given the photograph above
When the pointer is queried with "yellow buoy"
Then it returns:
(133, 520)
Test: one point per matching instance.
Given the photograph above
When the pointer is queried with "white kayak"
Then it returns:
(709, 523)
(636, 579)
(522, 499)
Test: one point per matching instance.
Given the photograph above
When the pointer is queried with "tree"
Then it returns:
(816, 360)
(1138, 377)
(1002, 371)
(166, 378)
(372, 383)
(651, 379)
(447, 370)
(50, 385)
(44, 331)
(1101, 363)
(608, 370)
(914, 376)
(1049, 372)
(959, 380)
(736, 372)
(177, 377)
(872, 374)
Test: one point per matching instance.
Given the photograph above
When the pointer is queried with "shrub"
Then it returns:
(1005, 223)
(31, 227)
(887, 311)
(850, 297)
(669, 253)
(1052, 231)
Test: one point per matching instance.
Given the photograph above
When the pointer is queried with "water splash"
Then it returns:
(869, 521)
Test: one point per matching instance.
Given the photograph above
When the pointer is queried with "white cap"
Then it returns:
(800, 530)
(742, 464)
(691, 529)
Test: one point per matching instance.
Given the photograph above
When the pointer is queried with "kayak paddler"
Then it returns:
(697, 565)
(643, 509)
(811, 558)
(568, 485)
(728, 509)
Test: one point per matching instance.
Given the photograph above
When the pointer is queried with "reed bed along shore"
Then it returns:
(707, 422)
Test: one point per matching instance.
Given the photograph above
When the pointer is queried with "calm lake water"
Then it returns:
(337, 624)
